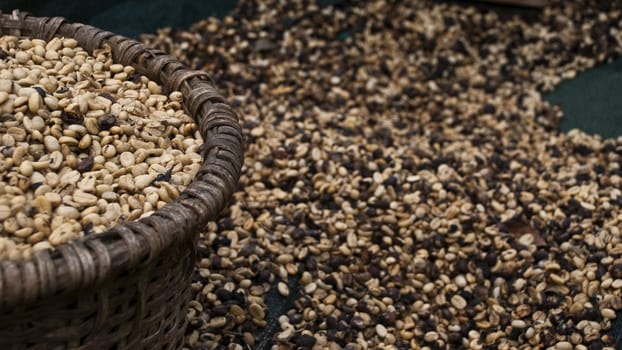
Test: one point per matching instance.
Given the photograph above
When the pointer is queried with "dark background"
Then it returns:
(590, 102)
(126, 17)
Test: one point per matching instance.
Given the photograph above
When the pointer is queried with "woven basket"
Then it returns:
(127, 288)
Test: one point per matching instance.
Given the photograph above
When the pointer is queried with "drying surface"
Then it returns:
(403, 171)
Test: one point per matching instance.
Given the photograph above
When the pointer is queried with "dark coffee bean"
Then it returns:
(106, 122)
(108, 97)
(304, 340)
(541, 254)
(40, 91)
(71, 118)
(223, 294)
(616, 271)
(88, 228)
(86, 164)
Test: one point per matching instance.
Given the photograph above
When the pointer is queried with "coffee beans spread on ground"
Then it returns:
(403, 170)
(84, 144)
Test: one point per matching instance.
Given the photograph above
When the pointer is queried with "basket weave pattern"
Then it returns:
(126, 288)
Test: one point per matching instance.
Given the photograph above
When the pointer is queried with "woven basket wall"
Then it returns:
(127, 288)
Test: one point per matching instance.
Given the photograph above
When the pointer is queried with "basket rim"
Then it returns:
(90, 261)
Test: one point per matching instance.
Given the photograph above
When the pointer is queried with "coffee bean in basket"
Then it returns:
(85, 143)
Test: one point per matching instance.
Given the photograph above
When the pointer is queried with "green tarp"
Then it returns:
(592, 101)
